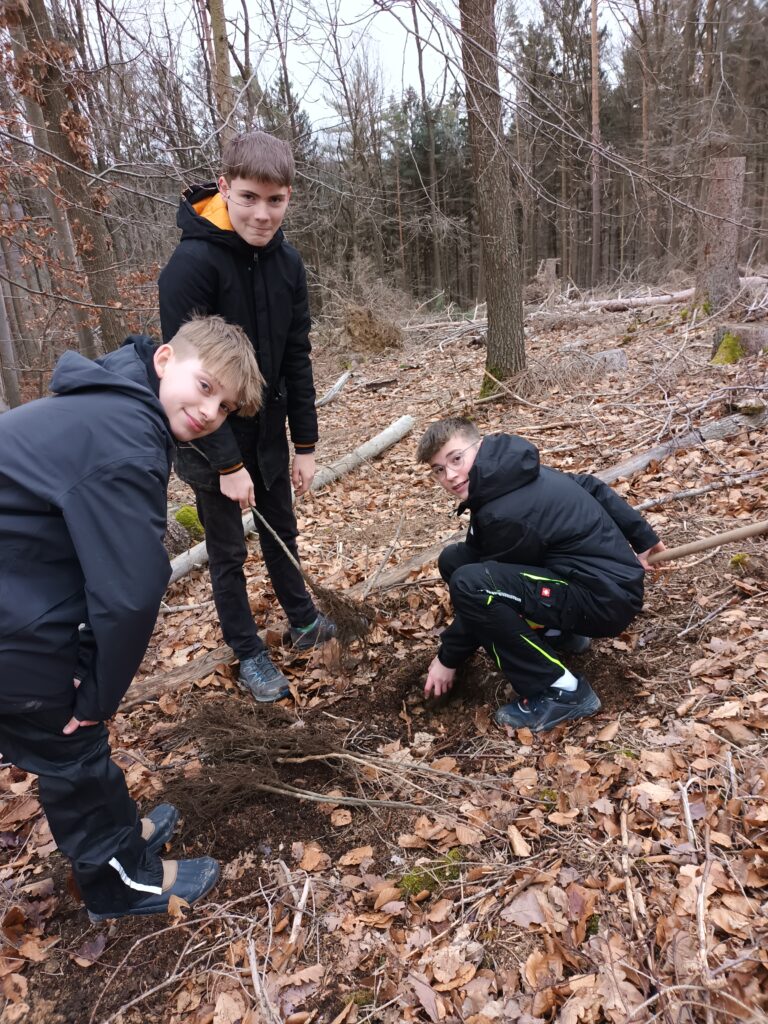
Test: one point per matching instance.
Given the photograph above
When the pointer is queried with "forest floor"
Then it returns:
(613, 870)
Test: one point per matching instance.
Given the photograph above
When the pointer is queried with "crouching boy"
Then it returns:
(548, 563)
(83, 481)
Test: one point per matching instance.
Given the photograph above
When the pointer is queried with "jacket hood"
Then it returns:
(504, 463)
(203, 214)
(124, 370)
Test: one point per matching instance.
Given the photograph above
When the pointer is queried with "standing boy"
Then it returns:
(233, 260)
(83, 481)
(548, 562)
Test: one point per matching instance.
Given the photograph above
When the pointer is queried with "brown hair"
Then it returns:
(258, 155)
(440, 433)
(226, 352)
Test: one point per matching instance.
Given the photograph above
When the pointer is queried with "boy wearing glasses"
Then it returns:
(233, 260)
(548, 562)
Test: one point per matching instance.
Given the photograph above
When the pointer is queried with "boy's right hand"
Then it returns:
(238, 487)
(74, 723)
(439, 679)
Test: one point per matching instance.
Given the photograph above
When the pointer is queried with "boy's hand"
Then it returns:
(643, 556)
(238, 487)
(302, 473)
(439, 679)
(74, 724)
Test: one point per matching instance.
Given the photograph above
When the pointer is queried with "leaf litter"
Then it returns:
(407, 862)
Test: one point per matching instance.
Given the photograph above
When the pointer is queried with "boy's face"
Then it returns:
(451, 465)
(256, 208)
(195, 403)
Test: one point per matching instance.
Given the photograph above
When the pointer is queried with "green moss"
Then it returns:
(432, 876)
(684, 313)
(729, 351)
(593, 924)
(632, 754)
(740, 560)
(188, 518)
(360, 997)
(548, 796)
(706, 307)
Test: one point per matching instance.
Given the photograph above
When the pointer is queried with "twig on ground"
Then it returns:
(692, 840)
(631, 903)
(726, 481)
(388, 554)
(268, 1012)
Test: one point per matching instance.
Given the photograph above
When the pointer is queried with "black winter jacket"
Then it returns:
(572, 525)
(83, 481)
(264, 291)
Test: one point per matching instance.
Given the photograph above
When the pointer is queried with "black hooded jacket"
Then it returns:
(83, 482)
(263, 290)
(572, 525)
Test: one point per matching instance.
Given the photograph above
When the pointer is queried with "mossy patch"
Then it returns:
(730, 350)
(433, 876)
(740, 560)
(187, 516)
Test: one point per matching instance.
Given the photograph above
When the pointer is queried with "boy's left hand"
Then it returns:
(302, 473)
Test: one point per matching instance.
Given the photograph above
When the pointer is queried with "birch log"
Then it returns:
(395, 432)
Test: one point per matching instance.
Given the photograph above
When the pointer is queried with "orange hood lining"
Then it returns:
(214, 209)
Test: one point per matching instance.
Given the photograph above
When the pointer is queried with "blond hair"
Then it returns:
(440, 433)
(260, 156)
(226, 352)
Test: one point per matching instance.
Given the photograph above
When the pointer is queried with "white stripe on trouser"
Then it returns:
(138, 886)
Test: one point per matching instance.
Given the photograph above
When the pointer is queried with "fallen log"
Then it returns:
(395, 432)
(153, 686)
(334, 390)
(715, 431)
(620, 305)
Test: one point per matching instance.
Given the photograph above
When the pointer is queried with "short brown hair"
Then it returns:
(440, 433)
(225, 350)
(260, 156)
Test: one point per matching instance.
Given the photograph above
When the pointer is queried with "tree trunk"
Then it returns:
(595, 159)
(493, 189)
(717, 273)
(434, 213)
(222, 79)
(8, 360)
(65, 130)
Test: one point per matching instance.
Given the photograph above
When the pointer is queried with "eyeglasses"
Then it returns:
(455, 461)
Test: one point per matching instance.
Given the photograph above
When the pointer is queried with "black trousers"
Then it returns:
(499, 606)
(227, 551)
(85, 798)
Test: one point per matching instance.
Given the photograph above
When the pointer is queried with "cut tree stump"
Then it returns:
(154, 686)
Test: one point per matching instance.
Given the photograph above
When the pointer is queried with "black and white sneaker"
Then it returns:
(190, 880)
(316, 633)
(541, 714)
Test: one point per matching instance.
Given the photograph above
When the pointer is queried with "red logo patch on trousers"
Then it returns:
(545, 592)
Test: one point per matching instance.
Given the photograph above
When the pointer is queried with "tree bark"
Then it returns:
(8, 360)
(222, 79)
(597, 225)
(717, 274)
(494, 192)
(66, 130)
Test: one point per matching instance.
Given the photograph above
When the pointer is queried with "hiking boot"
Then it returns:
(187, 879)
(569, 643)
(260, 677)
(158, 826)
(540, 714)
(318, 632)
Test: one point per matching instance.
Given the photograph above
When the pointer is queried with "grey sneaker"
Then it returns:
(260, 677)
(540, 714)
(318, 632)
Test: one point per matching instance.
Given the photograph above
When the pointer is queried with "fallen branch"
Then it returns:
(334, 390)
(705, 543)
(622, 305)
(695, 492)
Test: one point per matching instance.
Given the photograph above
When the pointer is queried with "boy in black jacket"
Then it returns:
(83, 482)
(548, 562)
(233, 260)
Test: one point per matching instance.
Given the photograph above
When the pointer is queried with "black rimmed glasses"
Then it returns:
(454, 460)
